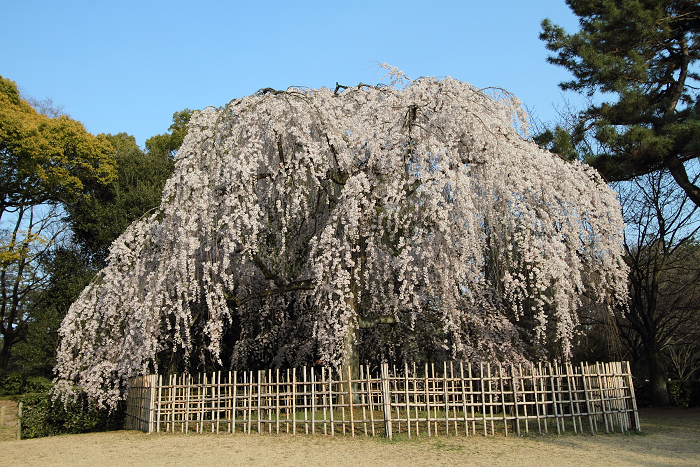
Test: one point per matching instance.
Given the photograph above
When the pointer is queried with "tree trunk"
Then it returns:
(657, 376)
(5, 352)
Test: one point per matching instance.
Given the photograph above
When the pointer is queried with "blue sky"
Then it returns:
(127, 66)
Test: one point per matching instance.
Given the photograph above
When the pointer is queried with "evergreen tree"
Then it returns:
(637, 60)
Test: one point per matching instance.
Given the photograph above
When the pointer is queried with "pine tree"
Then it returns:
(637, 61)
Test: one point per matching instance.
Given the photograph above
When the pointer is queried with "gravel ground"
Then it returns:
(669, 437)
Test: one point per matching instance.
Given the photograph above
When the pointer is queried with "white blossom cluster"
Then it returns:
(414, 203)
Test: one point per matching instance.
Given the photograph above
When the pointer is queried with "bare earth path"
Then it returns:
(671, 438)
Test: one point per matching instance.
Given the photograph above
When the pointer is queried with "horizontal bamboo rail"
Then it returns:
(456, 398)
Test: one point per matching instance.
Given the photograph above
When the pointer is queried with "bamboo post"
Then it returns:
(324, 403)
(259, 408)
(637, 426)
(250, 402)
(427, 399)
(515, 400)
(483, 397)
(366, 397)
(587, 396)
(602, 397)
(471, 397)
(306, 403)
(160, 391)
(350, 401)
(386, 399)
(406, 395)
(503, 398)
(446, 396)
(330, 400)
(313, 402)
(573, 405)
(294, 401)
(19, 421)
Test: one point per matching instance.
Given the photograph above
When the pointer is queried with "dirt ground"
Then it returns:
(669, 437)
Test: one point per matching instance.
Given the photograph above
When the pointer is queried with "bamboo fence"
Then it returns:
(456, 398)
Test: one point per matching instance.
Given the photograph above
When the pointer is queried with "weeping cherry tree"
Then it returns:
(367, 222)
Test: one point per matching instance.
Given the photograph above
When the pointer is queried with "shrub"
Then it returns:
(684, 393)
(680, 393)
(11, 383)
(41, 416)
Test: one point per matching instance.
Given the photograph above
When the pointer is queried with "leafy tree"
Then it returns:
(43, 161)
(98, 219)
(663, 257)
(365, 223)
(637, 60)
(67, 271)
(167, 144)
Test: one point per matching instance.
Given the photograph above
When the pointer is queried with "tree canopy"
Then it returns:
(637, 60)
(369, 222)
(43, 161)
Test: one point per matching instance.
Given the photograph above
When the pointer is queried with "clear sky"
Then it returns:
(126, 66)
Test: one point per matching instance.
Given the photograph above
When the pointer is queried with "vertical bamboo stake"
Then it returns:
(187, 404)
(259, 408)
(323, 398)
(306, 403)
(249, 388)
(483, 397)
(513, 382)
(535, 383)
(234, 396)
(364, 388)
(503, 398)
(427, 399)
(19, 421)
(587, 396)
(569, 382)
(554, 396)
(313, 402)
(602, 397)
(471, 397)
(330, 400)
(202, 390)
(491, 404)
(350, 396)
(464, 398)
(637, 426)
(408, 404)
(386, 399)
(294, 401)
(446, 396)
(218, 401)
(160, 389)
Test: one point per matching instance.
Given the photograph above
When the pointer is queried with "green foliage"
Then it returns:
(684, 393)
(637, 60)
(43, 417)
(68, 271)
(167, 144)
(43, 162)
(13, 383)
(45, 159)
(100, 218)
